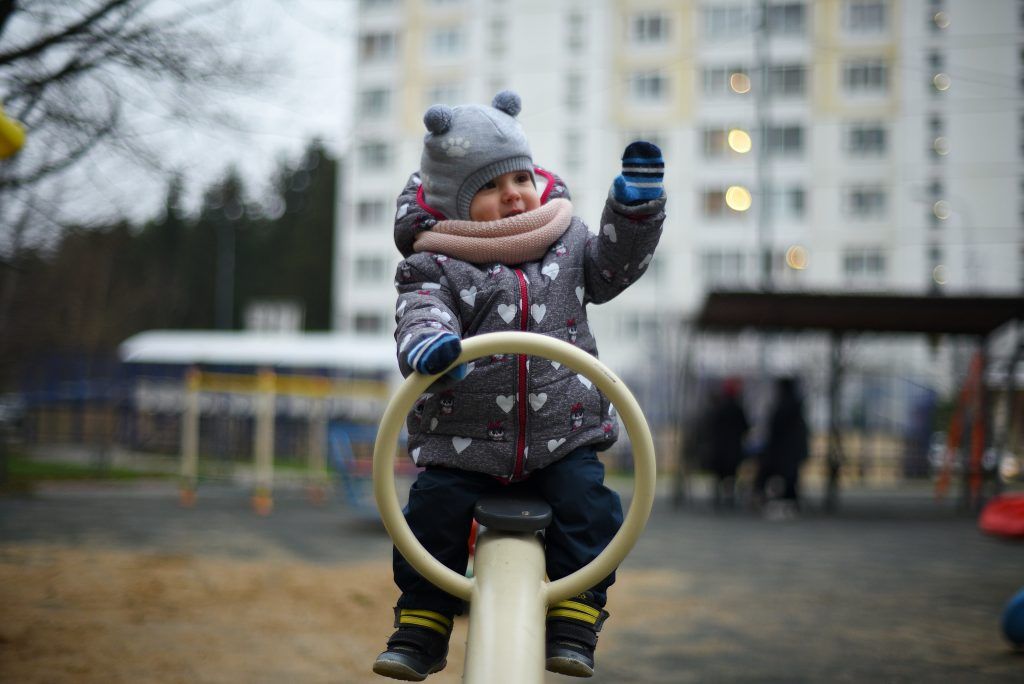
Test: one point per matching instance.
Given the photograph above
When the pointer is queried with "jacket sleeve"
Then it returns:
(425, 305)
(623, 248)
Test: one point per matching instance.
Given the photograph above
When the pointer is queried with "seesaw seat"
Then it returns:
(513, 513)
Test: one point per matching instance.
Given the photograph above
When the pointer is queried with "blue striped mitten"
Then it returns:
(435, 353)
(643, 170)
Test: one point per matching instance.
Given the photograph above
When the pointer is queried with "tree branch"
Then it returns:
(69, 32)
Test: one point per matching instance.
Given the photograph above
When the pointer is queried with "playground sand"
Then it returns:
(74, 615)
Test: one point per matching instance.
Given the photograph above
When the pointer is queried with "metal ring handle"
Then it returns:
(615, 390)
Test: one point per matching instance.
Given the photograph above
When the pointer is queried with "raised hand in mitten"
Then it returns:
(435, 353)
(643, 170)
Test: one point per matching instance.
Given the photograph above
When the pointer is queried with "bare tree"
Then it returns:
(77, 74)
(80, 76)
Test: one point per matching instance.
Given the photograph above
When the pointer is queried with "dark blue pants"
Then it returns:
(587, 514)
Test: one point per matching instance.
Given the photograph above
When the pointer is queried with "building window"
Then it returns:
(371, 213)
(377, 47)
(865, 16)
(499, 29)
(866, 76)
(374, 102)
(713, 205)
(574, 88)
(723, 22)
(866, 139)
(866, 202)
(784, 141)
(375, 4)
(573, 150)
(786, 19)
(649, 87)
(446, 42)
(788, 203)
(577, 31)
(369, 269)
(649, 28)
(863, 263)
(717, 80)
(374, 155)
(788, 80)
(443, 93)
(653, 136)
(716, 142)
(368, 323)
(722, 267)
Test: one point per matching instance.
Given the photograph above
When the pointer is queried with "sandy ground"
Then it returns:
(114, 585)
(74, 615)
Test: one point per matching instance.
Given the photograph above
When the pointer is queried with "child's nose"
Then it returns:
(511, 192)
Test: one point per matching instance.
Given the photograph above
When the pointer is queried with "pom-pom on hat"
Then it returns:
(468, 145)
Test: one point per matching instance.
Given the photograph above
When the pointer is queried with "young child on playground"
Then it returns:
(489, 249)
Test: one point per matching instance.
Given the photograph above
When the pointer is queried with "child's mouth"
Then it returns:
(514, 212)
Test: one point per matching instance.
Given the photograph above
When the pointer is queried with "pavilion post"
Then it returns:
(834, 457)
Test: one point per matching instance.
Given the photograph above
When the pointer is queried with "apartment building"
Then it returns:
(827, 145)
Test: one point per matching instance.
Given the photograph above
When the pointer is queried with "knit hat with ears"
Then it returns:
(467, 146)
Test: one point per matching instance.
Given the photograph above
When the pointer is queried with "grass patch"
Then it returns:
(21, 470)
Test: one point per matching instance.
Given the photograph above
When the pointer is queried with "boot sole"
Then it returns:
(399, 670)
(568, 666)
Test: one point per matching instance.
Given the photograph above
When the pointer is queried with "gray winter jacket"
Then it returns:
(514, 414)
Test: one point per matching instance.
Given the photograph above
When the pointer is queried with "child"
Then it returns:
(487, 250)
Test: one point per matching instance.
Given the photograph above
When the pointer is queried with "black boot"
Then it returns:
(419, 647)
(572, 628)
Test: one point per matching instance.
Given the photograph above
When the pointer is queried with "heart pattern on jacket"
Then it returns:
(460, 443)
(537, 401)
(538, 311)
(469, 296)
(505, 403)
(555, 443)
(507, 312)
(551, 270)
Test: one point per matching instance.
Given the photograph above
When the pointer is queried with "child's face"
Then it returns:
(507, 195)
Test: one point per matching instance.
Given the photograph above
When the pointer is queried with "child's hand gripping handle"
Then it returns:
(643, 171)
(435, 353)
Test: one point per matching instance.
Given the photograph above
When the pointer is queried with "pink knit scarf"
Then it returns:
(514, 240)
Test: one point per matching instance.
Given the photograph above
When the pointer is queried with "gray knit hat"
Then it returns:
(468, 145)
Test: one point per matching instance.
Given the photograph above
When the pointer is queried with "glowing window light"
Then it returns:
(942, 82)
(941, 146)
(739, 140)
(796, 258)
(737, 198)
(942, 210)
(739, 82)
(940, 275)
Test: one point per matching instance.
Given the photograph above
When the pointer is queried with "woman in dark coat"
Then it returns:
(786, 447)
(727, 429)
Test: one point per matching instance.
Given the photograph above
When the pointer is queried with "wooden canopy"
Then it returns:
(859, 312)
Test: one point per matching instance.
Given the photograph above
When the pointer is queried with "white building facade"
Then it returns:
(845, 144)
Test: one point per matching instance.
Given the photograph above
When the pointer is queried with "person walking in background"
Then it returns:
(728, 426)
(784, 451)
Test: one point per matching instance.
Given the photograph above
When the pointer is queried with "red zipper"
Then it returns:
(524, 306)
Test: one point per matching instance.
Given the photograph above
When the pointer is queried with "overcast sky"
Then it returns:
(311, 42)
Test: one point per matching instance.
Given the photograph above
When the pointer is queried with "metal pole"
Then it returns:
(762, 93)
(505, 641)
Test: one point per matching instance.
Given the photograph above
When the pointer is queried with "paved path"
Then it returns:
(894, 588)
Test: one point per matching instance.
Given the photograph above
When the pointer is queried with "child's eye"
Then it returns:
(489, 185)
(523, 178)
